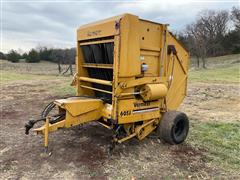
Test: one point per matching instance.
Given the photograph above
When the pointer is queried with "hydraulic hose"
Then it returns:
(44, 114)
(47, 109)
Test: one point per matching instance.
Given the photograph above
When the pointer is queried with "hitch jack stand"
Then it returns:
(46, 134)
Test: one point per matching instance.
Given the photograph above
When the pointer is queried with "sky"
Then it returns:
(26, 24)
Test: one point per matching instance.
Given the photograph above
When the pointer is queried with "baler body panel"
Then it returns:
(131, 43)
(129, 73)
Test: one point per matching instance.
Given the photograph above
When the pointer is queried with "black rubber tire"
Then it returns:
(173, 128)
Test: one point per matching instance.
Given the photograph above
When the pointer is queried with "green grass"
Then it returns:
(7, 76)
(221, 140)
(217, 61)
(223, 60)
(42, 68)
(11, 76)
(230, 73)
(64, 89)
(58, 85)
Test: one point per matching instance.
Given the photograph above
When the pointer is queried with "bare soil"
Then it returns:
(80, 152)
(215, 101)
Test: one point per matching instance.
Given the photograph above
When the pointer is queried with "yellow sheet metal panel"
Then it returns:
(151, 58)
(99, 29)
(129, 65)
(133, 110)
(177, 76)
(150, 35)
(77, 106)
(82, 118)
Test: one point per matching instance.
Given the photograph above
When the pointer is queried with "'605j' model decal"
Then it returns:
(125, 113)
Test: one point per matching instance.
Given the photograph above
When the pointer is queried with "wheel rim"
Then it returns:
(179, 128)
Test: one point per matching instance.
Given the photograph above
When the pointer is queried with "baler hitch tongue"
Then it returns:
(72, 111)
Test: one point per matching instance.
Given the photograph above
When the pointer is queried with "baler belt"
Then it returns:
(100, 54)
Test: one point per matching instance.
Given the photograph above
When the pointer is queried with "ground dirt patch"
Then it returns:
(79, 153)
(211, 150)
(214, 101)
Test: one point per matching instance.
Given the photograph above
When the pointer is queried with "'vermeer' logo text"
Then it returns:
(94, 33)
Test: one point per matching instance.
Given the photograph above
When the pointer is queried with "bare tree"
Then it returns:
(69, 59)
(213, 27)
(235, 16)
(72, 55)
(57, 55)
(206, 34)
(196, 43)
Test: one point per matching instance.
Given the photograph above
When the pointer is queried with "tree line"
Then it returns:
(59, 56)
(213, 33)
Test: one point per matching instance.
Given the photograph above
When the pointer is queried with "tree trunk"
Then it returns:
(71, 70)
(59, 67)
(198, 62)
(204, 63)
(66, 70)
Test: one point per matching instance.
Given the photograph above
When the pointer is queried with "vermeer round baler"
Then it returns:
(131, 77)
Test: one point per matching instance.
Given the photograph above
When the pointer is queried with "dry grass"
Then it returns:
(42, 68)
(211, 150)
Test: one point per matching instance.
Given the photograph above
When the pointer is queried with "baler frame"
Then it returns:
(132, 99)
